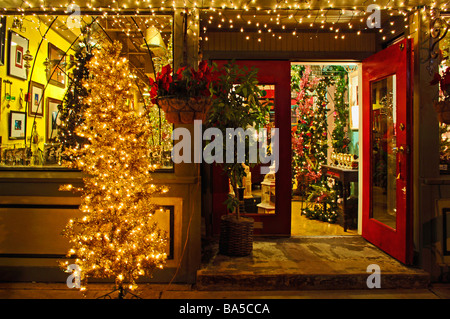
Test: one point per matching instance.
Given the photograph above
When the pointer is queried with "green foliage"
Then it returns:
(237, 103)
(340, 141)
(324, 203)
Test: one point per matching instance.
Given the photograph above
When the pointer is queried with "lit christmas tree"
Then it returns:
(73, 106)
(310, 144)
(117, 236)
(310, 136)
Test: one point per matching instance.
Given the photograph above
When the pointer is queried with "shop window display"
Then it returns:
(320, 135)
(45, 84)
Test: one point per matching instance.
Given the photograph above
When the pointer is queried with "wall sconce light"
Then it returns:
(47, 66)
(154, 41)
(50, 64)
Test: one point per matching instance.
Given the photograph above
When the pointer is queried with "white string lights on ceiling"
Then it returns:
(254, 18)
(282, 23)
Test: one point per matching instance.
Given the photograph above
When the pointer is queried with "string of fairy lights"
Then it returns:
(254, 19)
(254, 23)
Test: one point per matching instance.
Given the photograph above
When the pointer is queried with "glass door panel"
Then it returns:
(384, 151)
(259, 193)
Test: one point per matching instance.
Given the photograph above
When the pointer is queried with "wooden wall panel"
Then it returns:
(310, 43)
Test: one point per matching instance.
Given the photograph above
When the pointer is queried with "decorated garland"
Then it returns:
(309, 136)
(340, 140)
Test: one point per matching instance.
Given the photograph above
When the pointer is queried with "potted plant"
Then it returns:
(442, 106)
(184, 95)
(237, 103)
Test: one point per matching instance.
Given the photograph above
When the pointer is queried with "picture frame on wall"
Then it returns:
(58, 66)
(17, 125)
(17, 47)
(36, 99)
(53, 120)
(2, 39)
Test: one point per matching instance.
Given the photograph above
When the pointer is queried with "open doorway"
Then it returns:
(325, 102)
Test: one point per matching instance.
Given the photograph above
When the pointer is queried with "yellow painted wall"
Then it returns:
(33, 31)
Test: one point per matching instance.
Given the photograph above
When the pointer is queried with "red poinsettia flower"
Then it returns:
(166, 70)
(443, 80)
(184, 83)
(436, 79)
(203, 66)
(180, 73)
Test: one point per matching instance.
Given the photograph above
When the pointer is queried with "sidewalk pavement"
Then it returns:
(177, 291)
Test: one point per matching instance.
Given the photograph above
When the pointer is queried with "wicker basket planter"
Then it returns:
(236, 236)
(184, 111)
(443, 111)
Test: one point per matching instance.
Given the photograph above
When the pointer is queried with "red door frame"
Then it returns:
(277, 73)
(396, 242)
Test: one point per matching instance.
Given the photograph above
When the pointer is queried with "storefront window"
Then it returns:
(44, 66)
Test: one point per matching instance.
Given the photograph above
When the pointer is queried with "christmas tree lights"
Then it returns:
(310, 144)
(73, 107)
(310, 135)
(117, 236)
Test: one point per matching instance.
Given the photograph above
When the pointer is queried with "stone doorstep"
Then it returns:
(222, 281)
(329, 263)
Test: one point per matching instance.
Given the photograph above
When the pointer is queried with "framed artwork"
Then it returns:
(17, 47)
(53, 120)
(2, 39)
(17, 125)
(36, 104)
(58, 66)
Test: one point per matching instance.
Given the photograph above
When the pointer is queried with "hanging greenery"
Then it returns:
(339, 138)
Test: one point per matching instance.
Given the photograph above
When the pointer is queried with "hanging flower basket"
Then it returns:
(443, 111)
(184, 111)
(184, 95)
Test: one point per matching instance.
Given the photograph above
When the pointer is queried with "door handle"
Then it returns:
(402, 150)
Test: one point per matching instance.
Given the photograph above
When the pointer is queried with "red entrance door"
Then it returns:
(276, 76)
(386, 162)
